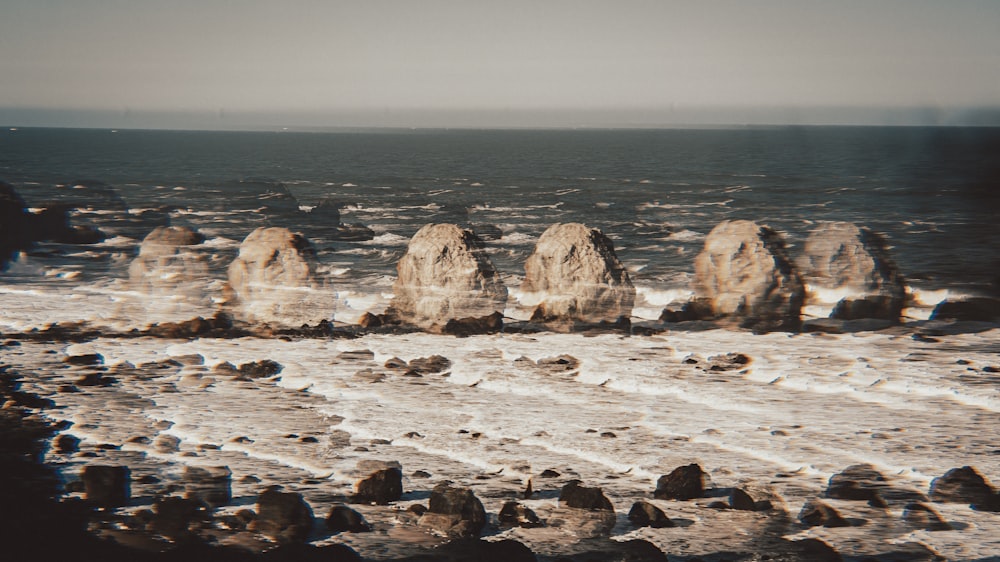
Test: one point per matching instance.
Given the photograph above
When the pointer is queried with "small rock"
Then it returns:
(965, 485)
(209, 485)
(740, 500)
(259, 369)
(684, 483)
(85, 359)
(344, 519)
(563, 363)
(922, 516)
(106, 486)
(645, 514)
(166, 443)
(576, 496)
(454, 511)
(381, 487)
(66, 444)
(513, 514)
(430, 365)
(284, 517)
(549, 473)
(815, 513)
(420, 474)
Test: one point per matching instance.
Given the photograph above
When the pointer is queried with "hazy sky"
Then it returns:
(400, 62)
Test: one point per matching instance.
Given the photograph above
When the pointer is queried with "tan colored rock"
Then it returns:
(843, 257)
(445, 275)
(575, 276)
(274, 279)
(172, 275)
(744, 272)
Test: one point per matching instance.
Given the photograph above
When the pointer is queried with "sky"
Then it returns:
(329, 63)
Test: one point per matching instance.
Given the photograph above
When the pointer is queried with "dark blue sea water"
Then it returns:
(932, 191)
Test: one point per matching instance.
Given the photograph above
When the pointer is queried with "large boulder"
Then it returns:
(444, 276)
(274, 279)
(575, 277)
(843, 257)
(168, 264)
(381, 487)
(744, 272)
(965, 485)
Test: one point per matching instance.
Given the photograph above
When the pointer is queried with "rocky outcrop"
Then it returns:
(965, 485)
(273, 279)
(579, 497)
(575, 277)
(844, 257)
(381, 487)
(444, 276)
(744, 272)
(328, 212)
(20, 230)
(972, 309)
(645, 514)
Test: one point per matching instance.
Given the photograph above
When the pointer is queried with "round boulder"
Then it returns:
(273, 278)
(168, 264)
(844, 257)
(744, 272)
(575, 277)
(446, 275)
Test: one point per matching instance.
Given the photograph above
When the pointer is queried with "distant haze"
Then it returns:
(312, 63)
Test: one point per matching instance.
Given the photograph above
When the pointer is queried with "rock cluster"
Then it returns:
(445, 276)
(575, 277)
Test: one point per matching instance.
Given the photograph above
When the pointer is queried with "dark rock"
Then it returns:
(344, 519)
(417, 509)
(284, 517)
(381, 487)
(107, 486)
(474, 325)
(95, 379)
(420, 474)
(815, 550)
(66, 444)
(563, 363)
(645, 514)
(728, 362)
(922, 516)
(576, 496)
(740, 500)
(430, 365)
(85, 359)
(549, 473)
(260, 369)
(209, 485)
(883, 307)
(635, 550)
(307, 553)
(165, 443)
(396, 363)
(174, 517)
(513, 514)
(964, 485)
(454, 511)
(684, 483)
(815, 513)
(862, 482)
(974, 309)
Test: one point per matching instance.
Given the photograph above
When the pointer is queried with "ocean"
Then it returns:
(633, 408)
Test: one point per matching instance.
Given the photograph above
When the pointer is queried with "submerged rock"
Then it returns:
(576, 277)
(744, 272)
(445, 276)
(274, 279)
(844, 257)
(973, 309)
